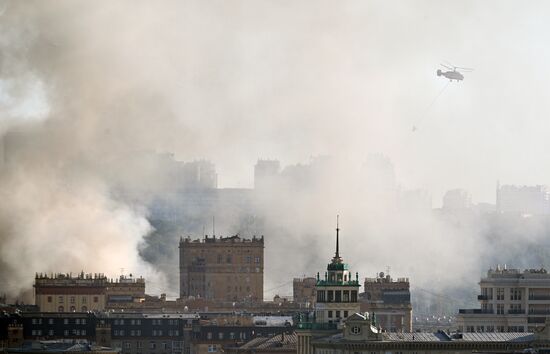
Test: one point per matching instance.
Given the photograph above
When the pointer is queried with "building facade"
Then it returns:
(303, 291)
(511, 300)
(390, 300)
(85, 292)
(362, 335)
(224, 269)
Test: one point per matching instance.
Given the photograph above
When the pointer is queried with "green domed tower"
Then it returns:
(337, 292)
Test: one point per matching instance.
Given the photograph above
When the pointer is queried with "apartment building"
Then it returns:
(511, 300)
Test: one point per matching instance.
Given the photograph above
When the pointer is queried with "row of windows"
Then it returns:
(153, 345)
(72, 309)
(156, 333)
(490, 329)
(336, 296)
(337, 313)
(75, 332)
(229, 259)
(72, 299)
(515, 293)
(66, 321)
(232, 335)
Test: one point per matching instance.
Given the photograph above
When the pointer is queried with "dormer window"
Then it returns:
(355, 330)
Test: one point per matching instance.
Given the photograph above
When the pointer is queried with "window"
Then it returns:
(330, 295)
(232, 335)
(50, 332)
(257, 260)
(212, 348)
(72, 299)
(515, 294)
(50, 321)
(127, 345)
(480, 329)
(60, 298)
(77, 321)
(248, 259)
(152, 345)
(84, 299)
(500, 293)
(354, 296)
(60, 309)
(209, 335)
(96, 299)
(66, 333)
(338, 314)
(49, 299)
(330, 314)
(228, 259)
(66, 321)
(164, 345)
(500, 309)
(83, 332)
(345, 296)
(139, 344)
(84, 309)
(220, 335)
(83, 321)
(345, 314)
(321, 296)
(73, 309)
(338, 296)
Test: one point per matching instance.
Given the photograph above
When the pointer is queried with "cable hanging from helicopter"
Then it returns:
(451, 74)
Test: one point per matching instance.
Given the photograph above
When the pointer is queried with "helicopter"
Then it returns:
(453, 74)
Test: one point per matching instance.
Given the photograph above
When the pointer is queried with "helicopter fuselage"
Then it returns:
(451, 75)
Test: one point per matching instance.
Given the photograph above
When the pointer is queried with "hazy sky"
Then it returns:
(294, 79)
(234, 81)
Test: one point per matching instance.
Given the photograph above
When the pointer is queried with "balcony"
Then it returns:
(317, 326)
(539, 297)
(484, 297)
(536, 319)
(539, 312)
(516, 312)
(475, 311)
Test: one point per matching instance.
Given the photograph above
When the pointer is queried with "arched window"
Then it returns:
(84, 309)
(73, 309)
(60, 309)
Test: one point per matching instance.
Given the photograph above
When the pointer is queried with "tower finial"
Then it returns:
(337, 236)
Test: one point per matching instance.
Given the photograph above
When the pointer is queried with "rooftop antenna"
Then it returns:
(213, 225)
(121, 271)
(337, 236)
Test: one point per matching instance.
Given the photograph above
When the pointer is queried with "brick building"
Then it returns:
(224, 269)
(303, 291)
(85, 292)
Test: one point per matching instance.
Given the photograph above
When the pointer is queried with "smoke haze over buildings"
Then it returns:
(85, 86)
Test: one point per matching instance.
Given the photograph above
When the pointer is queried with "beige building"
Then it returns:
(225, 269)
(85, 292)
(303, 291)
(511, 300)
(390, 300)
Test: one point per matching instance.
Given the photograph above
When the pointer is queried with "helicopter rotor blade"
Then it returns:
(465, 69)
(447, 67)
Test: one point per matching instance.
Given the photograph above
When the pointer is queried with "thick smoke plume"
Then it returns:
(87, 87)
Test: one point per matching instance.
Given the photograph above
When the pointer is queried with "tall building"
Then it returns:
(225, 269)
(303, 291)
(337, 298)
(511, 300)
(265, 173)
(85, 292)
(457, 200)
(523, 200)
(390, 300)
